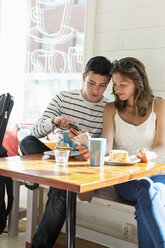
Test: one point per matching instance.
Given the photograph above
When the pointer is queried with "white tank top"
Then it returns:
(132, 138)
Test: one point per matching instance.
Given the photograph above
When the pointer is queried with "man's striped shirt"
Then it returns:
(89, 116)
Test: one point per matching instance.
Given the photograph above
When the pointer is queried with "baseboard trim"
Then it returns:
(103, 239)
(100, 238)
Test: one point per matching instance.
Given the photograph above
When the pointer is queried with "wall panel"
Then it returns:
(152, 58)
(104, 6)
(146, 38)
(147, 17)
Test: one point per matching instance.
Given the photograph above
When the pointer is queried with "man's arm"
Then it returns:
(44, 125)
(52, 118)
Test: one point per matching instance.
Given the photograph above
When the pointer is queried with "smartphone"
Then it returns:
(72, 125)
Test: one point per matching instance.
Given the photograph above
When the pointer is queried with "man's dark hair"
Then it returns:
(99, 65)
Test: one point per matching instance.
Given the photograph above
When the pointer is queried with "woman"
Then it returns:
(135, 122)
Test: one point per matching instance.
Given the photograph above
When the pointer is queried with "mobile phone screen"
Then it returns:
(72, 125)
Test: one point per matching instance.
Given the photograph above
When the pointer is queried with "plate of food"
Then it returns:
(72, 154)
(120, 157)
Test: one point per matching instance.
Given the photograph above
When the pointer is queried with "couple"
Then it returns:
(133, 121)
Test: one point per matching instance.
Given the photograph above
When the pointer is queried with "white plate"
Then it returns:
(51, 153)
(132, 160)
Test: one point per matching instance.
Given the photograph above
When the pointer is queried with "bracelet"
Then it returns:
(53, 122)
(153, 155)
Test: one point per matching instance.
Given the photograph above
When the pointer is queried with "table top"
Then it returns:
(77, 176)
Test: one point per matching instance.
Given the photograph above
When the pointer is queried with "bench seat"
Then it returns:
(106, 196)
(109, 197)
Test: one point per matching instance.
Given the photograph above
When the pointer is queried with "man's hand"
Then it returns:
(63, 121)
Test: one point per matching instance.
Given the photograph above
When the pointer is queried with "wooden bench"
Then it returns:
(35, 208)
(109, 197)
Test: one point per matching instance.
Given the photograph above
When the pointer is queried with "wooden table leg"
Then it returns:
(70, 219)
(14, 213)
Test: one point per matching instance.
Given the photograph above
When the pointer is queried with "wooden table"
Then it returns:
(76, 177)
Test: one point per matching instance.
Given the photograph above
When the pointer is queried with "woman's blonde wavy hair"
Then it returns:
(133, 69)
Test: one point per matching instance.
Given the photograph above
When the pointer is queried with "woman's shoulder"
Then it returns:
(158, 101)
(110, 107)
(159, 105)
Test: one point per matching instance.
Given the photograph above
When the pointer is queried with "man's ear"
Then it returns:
(84, 76)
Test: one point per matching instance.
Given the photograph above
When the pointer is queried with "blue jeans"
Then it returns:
(52, 220)
(55, 211)
(149, 197)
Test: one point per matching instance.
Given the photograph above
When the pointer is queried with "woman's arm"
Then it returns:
(108, 125)
(159, 141)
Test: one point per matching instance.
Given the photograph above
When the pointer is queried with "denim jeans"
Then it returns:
(149, 197)
(55, 211)
(52, 220)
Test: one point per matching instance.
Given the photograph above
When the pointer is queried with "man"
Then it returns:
(84, 107)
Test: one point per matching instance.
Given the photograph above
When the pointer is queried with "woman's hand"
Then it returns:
(80, 140)
(83, 151)
(146, 155)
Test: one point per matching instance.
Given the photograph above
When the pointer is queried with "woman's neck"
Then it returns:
(130, 108)
(130, 103)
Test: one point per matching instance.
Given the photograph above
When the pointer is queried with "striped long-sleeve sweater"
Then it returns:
(88, 115)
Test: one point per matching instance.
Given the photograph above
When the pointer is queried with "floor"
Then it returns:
(19, 240)
(16, 241)
(8, 242)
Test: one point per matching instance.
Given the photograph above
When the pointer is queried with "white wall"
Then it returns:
(118, 29)
(129, 28)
